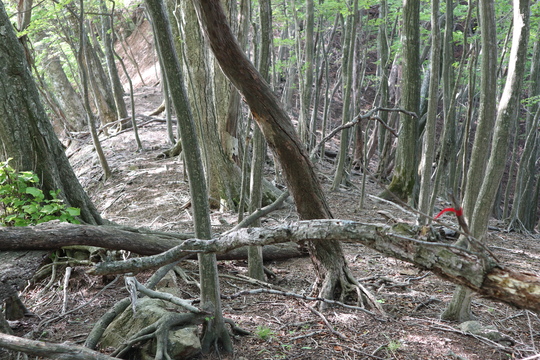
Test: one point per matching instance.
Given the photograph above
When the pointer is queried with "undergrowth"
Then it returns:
(22, 203)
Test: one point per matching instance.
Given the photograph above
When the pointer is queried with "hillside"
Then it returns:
(147, 190)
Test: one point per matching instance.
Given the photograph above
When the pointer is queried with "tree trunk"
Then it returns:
(279, 132)
(107, 33)
(405, 172)
(26, 135)
(507, 110)
(428, 146)
(476, 270)
(255, 261)
(211, 103)
(69, 101)
(214, 331)
(347, 74)
(524, 205)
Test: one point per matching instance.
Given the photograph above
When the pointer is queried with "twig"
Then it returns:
(328, 325)
(299, 296)
(253, 281)
(306, 335)
(531, 332)
(356, 120)
(45, 322)
(65, 291)
(537, 356)
(168, 297)
(449, 226)
(361, 352)
(260, 212)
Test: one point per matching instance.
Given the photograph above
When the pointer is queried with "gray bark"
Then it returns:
(69, 101)
(428, 146)
(334, 276)
(223, 175)
(476, 270)
(507, 110)
(107, 38)
(214, 331)
(405, 172)
(347, 74)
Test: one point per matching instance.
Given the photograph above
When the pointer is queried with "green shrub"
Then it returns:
(22, 203)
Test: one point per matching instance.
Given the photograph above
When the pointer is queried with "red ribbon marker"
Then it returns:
(458, 212)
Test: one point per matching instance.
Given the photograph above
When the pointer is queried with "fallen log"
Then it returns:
(54, 235)
(477, 270)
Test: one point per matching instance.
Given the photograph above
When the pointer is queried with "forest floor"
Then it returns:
(147, 190)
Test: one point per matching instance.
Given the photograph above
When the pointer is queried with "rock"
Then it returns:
(183, 343)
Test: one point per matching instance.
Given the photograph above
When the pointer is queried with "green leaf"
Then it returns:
(73, 211)
(30, 209)
(48, 209)
(35, 192)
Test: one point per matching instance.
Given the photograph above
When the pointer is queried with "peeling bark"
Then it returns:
(478, 271)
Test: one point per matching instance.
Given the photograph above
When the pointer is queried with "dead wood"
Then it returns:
(50, 350)
(54, 235)
(476, 270)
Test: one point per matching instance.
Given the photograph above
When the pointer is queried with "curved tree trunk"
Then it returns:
(331, 267)
(26, 134)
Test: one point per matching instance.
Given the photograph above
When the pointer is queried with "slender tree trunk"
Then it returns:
(107, 33)
(347, 73)
(405, 173)
(214, 331)
(507, 110)
(69, 101)
(84, 63)
(524, 205)
(255, 258)
(428, 147)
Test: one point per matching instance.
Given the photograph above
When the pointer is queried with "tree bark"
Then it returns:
(333, 275)
(107, 33)
(214, 331)
(209, 92)
(50, 350)
(476, 270)
(405, 172)
(428, 146)
(26, 134)
(69, 101)
(489, 179)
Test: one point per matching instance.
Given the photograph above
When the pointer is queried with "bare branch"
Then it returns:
(357, 119)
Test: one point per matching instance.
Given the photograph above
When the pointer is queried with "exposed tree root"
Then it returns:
(160, 331)
(216, 337)
(99, 327)
(340, 284)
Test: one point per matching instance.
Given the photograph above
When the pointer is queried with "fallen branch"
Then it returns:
(50, 350)
(476, 270)
(299, 296)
